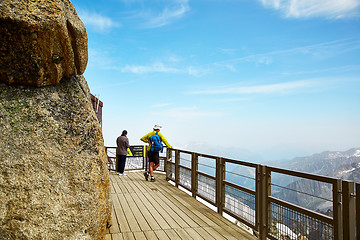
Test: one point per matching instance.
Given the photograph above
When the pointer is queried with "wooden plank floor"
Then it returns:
(158, 210)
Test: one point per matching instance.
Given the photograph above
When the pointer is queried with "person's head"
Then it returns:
(124, 133)
(157, 127)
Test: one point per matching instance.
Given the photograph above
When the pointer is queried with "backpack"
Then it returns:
(156, 143)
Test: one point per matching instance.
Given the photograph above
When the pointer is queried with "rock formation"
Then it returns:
(41, 42)
(54, 181)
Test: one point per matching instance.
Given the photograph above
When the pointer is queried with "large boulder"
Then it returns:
(41, 42)
(54, 181)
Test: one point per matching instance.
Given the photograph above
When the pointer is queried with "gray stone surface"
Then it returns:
(54, 181)
(41, 42)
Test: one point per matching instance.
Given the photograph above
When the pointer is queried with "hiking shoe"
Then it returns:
(152, 179)
(146, 174)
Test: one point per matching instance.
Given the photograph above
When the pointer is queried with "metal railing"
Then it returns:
(249, 193)
(133, 162)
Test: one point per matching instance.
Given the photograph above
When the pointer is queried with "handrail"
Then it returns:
(256, 206)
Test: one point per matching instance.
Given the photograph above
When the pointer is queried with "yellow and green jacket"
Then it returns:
(147, 136)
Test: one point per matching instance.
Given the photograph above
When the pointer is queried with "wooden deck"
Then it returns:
(158, 210)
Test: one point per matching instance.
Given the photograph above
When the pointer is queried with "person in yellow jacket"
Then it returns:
(154, 158)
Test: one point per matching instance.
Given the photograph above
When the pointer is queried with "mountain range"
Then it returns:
(330, 163)
(312, 194)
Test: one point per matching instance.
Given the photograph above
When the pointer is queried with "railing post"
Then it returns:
(220, 191)
(194, 175)
(258, 181)
(146, 159)
(348, 210)
(265, 191)
(338, 233)
(116, 161)
(167, 171)
(165, 160)
(177, 168)
(358, 210)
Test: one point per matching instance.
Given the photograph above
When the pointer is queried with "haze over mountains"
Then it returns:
(311, 194)
(343, 165)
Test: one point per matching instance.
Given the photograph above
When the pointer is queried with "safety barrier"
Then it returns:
(250, 194)
(259, 196)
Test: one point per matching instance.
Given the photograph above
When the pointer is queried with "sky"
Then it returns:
(254, 80)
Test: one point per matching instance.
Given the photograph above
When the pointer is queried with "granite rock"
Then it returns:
(41, 42)
(54, 180)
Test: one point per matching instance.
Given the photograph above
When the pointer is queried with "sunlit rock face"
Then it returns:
(41, 42)
(54, 181)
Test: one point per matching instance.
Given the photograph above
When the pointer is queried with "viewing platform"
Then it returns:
(254, 195)
(159, 210)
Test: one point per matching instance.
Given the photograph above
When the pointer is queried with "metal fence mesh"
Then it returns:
(134, 163)
(185, 177)
(207, 188)
(170, 173)
(289, 224)
(240, 203)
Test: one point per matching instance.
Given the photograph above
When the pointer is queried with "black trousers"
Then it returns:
(121, 163)
(154, 157)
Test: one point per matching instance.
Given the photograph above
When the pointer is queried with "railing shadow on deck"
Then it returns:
(258, 196)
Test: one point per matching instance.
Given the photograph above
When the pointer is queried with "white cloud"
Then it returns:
(173, 11)
(270, 88)
(153, 14)
(160, 67)
(154, 68)
(196, 71)
(96, 21)
(319, 50)
(333, 9)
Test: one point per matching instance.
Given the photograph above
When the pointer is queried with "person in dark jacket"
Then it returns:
(122, 143)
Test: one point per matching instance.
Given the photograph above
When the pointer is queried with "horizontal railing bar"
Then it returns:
(207, 165)
(184, 159)
(206, 175)
(205, 199)
(133, 169)
(244, 189)
(187, 168)
(302, 210)
(252, 178)
(328, 200)
(303, 175)
(189, 189)
(248, 164)
(239, 218)
(207, 156)
(182, 151)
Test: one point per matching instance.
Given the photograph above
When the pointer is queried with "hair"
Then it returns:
(124, 133)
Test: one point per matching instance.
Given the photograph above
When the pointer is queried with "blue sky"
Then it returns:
(251, 79)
